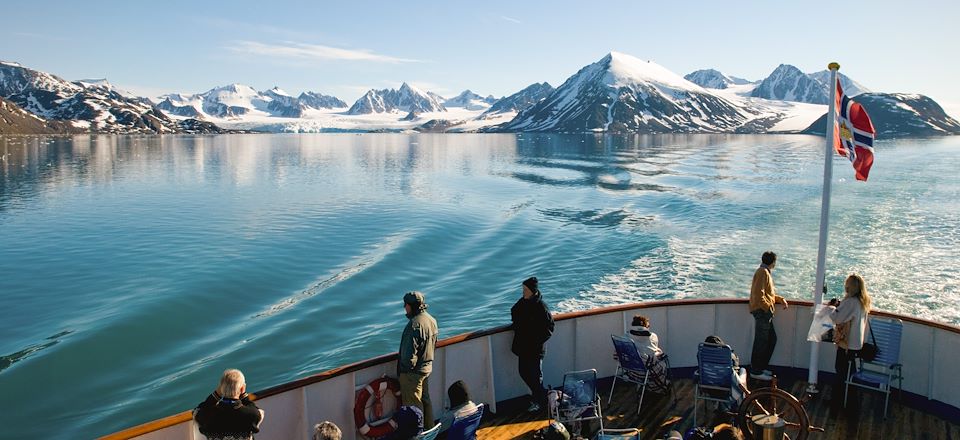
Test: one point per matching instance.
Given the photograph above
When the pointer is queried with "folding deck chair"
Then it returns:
(465, 428)
(714, 376)
(878, 374)
(580, 400)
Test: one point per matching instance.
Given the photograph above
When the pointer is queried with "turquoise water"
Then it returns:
(135, 269)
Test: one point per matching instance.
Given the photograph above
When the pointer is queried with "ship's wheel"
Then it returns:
(776, 402)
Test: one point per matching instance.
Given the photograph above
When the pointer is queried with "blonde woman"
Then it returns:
(850, 319)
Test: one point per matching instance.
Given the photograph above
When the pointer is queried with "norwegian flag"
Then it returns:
(853, 134)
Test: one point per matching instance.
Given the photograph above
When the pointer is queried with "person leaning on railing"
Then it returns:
(228, 413)
(532, 327)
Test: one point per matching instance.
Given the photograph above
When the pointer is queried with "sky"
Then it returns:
(491, 47)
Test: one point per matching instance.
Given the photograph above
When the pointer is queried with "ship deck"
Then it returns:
(660, 414)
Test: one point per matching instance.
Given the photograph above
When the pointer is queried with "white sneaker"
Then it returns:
(768, 372)
(533, 407)
(761, 376)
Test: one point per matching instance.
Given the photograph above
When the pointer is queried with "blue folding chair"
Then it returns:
(878, 374)
(580, 400)
(630, 367)
(465, 428)
(430, 434)
(714, 375)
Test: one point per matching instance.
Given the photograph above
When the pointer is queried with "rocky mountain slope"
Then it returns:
(621, 93)
(406, 99)
(89, 106)
(900, 115)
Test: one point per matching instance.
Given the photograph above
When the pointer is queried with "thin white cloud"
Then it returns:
(511, 19)
(290, 49)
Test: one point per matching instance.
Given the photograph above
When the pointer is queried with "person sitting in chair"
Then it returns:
(409, 420)
(738, 386)
(648, 345)
(460, 405)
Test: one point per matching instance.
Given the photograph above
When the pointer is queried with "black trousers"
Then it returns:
(764, 341)
(842, 366)
(532, 375)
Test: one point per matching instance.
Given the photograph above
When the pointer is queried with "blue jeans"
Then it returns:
(532, 375)
(764, 340)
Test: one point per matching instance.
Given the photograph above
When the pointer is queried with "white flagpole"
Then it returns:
(824, 222)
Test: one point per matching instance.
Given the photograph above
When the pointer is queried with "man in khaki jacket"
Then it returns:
(763, 296)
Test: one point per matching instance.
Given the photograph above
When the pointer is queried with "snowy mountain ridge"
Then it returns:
(622, 93)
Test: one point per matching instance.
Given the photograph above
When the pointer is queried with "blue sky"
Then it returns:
(491, 47)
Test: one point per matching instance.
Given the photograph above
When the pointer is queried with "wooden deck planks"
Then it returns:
(902, 422)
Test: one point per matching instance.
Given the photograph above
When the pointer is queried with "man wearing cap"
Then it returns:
(415, 360)
(532, 326)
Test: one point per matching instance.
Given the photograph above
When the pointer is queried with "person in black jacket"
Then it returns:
(228, 413)
(532, 326)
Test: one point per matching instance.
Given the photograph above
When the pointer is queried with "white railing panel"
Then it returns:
(437, 388)
(789, 338)
(916, 352)
(735, 327)
(283, 418)
(506, 381)
(687, 326)
(594, 346)
(561, 352)
(333, 400)
(946, 361)
(470, 362)
(180, 431)
(369, 374)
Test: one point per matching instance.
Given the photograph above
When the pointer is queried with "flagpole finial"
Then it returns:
(833, 66)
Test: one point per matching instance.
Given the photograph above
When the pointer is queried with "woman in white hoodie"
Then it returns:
(655, 359)
(850, 319)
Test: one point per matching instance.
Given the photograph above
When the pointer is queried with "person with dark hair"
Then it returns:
(409, 420)
(460, 404)
(648, 345)
(763, 296)
(532, 327)
(850, 316)
(726, 431)
(228, 413)
(415, 357)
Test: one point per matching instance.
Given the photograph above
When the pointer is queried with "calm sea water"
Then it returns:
(133, 270)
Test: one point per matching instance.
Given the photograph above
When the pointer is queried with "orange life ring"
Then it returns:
(370, 398)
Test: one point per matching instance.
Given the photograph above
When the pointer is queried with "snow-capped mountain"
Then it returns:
(900, 114)
(788, 83)
(850, 87)
(319, 100)
(621, 93)
(94, 106)
(740, 81)
(709, 78)
(520, 101)
(407, 99)
(470, 101)
(235, 101)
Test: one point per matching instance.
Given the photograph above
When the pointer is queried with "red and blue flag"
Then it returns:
(854, 134)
